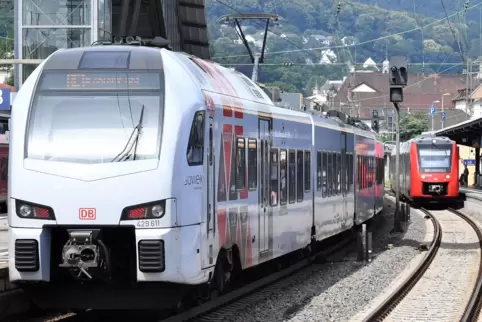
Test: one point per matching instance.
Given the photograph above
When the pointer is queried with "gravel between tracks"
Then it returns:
(337, 290)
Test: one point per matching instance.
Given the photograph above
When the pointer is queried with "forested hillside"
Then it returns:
(376, 30)
(362, 29)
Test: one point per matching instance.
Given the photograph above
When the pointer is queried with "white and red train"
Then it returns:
(138, 174)
(429, 168)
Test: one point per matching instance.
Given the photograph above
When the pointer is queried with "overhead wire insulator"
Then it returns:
(287, 64)
(466, 6)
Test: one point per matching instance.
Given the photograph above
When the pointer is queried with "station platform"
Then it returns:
(3, 241)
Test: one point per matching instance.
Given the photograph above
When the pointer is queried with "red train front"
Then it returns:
(429, 169)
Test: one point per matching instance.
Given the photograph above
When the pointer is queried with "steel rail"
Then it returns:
(399, 294)
(472, 309)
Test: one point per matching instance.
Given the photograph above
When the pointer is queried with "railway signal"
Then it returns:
(397, 79)
(375, 122)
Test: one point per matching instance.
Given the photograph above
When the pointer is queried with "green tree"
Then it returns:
(412, 125)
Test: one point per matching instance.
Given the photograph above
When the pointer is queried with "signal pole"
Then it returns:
(398, 79)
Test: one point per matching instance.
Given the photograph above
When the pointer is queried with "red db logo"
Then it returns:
(87, 214)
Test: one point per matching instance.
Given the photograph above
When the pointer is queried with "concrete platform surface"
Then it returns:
(3, 241)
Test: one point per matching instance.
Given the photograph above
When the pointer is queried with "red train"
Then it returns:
(4, 142)
(429, 168)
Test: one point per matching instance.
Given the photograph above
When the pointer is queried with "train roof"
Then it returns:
(112, 57)
(432, 140)
(132, 57)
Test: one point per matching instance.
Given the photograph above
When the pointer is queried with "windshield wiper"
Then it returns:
(126, 152)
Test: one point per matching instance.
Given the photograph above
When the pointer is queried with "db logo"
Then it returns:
(87, 214)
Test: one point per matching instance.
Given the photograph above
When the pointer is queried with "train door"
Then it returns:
(264, 184)
(211, 247)
(344, 180)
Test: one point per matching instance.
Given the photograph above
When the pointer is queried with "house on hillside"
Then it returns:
(369, 63)
(361, 93)
(323, 95)
(474, 99)
(325, 40)
(328, 56)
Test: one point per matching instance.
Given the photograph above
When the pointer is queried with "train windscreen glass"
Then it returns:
(89, 116)
(434, 157)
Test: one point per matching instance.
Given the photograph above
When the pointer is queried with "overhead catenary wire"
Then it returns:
(263, 26)
(359, 43)
(456, 38)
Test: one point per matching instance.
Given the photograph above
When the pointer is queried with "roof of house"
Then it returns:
(420, 92)
(7, 86)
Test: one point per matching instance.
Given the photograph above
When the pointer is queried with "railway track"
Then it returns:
(420, 289)
(218, 308)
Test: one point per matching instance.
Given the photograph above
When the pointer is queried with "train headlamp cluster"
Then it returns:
(151, 210)
(28, 210)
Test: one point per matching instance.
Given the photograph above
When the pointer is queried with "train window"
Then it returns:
(283, 177)
(307, 171)
(344, 158)
(240, 164)
(318, 171)
(330, 174)
(292, 176)
(358, 168)
(274, 177)
(195, 146)
(325, 171)
(299, 175)
(350, 171)
(377, 179)
(252, 164)
(3, 126)
(338, 173)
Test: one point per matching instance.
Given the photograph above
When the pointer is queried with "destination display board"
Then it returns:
(101, 81)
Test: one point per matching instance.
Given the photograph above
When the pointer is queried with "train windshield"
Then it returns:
(91, 117)
(434, 158)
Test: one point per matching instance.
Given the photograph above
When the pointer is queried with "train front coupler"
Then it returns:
(84, 254)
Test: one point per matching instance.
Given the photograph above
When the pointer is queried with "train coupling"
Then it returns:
(435, 188)
(81, 252)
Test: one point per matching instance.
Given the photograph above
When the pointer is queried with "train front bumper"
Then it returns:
(30, 254)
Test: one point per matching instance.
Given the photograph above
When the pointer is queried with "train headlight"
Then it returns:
(447, 176)
(25, 211)
(150, 210)
(157, 211)
(33, 211)
(423, 177)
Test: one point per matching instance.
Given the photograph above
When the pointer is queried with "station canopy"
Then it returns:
(465, 133)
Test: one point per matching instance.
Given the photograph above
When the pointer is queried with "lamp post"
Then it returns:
(443, 120)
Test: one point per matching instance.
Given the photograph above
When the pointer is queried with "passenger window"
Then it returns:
(274, 177)
(350, 177)
(330, 174)
(359, 172)
(292, 176)
(252, 164)
(283, 177)
(344, 174)
(240, 164)
(3, 126)
(325, 170)
(318, 171)
(338, 173)
(299, 175)
(307, 171)
(195, 146)
(348, 171)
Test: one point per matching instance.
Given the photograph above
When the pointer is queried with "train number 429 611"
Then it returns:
(148, 223)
